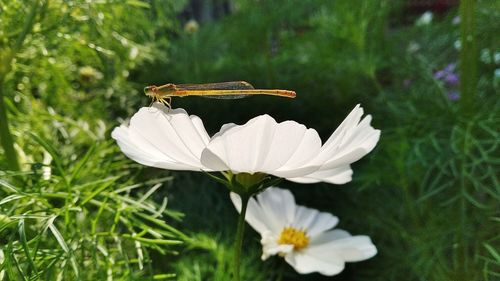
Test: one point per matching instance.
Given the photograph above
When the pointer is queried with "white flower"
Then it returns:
(174, 140)
(303, 236)
(424, 19)
(163, 138)
(46, 169)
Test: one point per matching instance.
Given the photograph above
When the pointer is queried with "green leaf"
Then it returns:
(81, 163)
(62, 243)
(12, 197)
(55, 156)
(164, 276)
(137, 3)
(96, 192)
(153, 241)
(25, 246)
(494, 253)
(8, 186)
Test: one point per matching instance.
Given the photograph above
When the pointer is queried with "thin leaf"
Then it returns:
(95, 193)
(25, 246)
(8, 186)
(164, 276)
(494, 253)
(62, 243)
(12, 197)
(52, 151)
(153, 241)
(150, 192)
(81, 163)
(137, 3)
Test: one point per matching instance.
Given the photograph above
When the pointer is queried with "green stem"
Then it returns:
(468, 87)
(463, 250)
(281, 271)
(27, 27)
(6, 138)
(468, 54)
(5, 134)
(238, 244)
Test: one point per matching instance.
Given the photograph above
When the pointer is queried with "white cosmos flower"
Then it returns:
(163, 138)
(171, 139)
(303, 236)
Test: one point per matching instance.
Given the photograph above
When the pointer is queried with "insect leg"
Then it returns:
(166, 101)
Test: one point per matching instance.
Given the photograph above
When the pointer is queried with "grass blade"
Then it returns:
(25, 246)
(62, 243)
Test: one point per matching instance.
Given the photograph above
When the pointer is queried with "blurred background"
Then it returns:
(72, 207)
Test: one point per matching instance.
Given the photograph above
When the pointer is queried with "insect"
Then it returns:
(223, 90)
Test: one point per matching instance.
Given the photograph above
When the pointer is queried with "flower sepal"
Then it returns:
(267, 182)
(251, 184)
(245, 183)
(222, 181)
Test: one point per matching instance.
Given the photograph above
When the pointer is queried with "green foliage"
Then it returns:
(330, 52)
(78, 213)
(81, 51)
(437, 201)
(75, 209)
(433, 185)
(210, 255)
(428, 195)
(215, 262)
(60, 223)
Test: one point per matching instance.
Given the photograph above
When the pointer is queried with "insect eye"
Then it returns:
(149, 89)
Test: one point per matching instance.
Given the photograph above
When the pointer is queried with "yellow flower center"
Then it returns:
(296, 237)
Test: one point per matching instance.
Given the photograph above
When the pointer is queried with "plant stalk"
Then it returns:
(468, 54)
(27, 27)
(5, 134)
(238, 244)
(6, 138)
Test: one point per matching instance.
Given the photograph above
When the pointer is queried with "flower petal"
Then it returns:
(329, 251)
(254, 216)
(290, 146)
(171, 138)
(338, 175)
(263, 145)
(313, 221)
(328, 236)
(270, 246)
(305, 263)
(278, 205)
(240, 147)
(271, 211)
(135, 152)
(350, 141)
(341, 244)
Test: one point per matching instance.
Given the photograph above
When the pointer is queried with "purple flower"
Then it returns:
(450, 67)
(451, 79)
(453, 95)
(439, 74)
(407, 82)
(448, 75)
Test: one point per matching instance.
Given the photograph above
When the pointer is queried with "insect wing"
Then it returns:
(234, 85)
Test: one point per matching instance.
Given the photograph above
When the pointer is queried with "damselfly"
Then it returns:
(223, 90)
